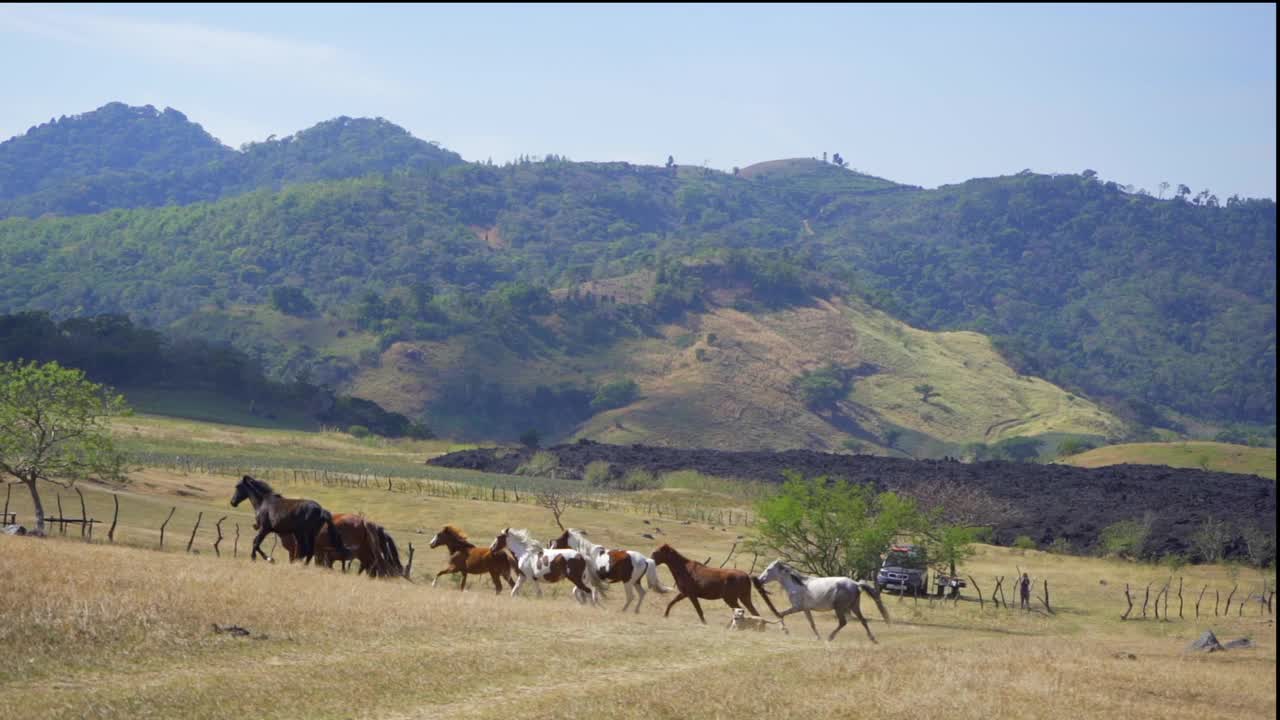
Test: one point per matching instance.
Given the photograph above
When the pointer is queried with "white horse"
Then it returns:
(625, 566)
(808, 593)
(535, 562)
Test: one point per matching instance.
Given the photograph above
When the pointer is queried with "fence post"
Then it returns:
(1179, 598)
(235, 549)
(408, 569)
(8, 488)
(981, 603)
(84, 514)
(1129, 600)
(163, 524)
(1231, 595)
(193, 531)
(115, 514)
(1045, 599)
(218, 526)
(62, 521)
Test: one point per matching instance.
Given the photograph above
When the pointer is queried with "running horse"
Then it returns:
(625, 566)
(695, 580)
(369, 542)
(808, 593)
(466, 558)
(301, 518)
(535, 563)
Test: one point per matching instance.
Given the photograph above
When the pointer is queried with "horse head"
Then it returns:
(499, 542)
(448, 535)
(771, 573)
(665, 554)
(242, 491)
(562, 542)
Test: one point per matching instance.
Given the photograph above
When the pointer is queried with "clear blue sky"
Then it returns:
(923, 95)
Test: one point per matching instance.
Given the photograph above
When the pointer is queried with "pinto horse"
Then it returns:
(371, 544)
(695, 580)
(625, 566)
(303, 519)
(466, 558)
(535, 563)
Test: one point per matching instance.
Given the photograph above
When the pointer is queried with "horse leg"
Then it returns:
(464, 581)
(746, 600)
(840, 619)
(679, 597)
(627, 588)
(257, 543)
(497, 581)
(857, 611)
(641, 591)
(436, 579)
(809, 616)
(698, 606)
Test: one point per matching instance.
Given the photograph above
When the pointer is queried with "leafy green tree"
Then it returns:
(951, 545)
(1211, 538)
(1018, 449)
(926, 391)
(1074, 446)
(1126, 538)
(822, 389)
(833, 528)
(291, 301)
(53, 427)
(615, 394)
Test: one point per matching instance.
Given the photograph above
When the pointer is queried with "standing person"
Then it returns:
(1024, 591)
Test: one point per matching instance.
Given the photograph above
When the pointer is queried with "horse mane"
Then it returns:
(796, 575)
(259, 486)
(524, 537)
(455, 531)
(578, 541)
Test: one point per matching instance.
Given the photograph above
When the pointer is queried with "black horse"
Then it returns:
(301, 518)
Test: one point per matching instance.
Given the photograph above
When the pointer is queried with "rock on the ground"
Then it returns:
(1208, 642)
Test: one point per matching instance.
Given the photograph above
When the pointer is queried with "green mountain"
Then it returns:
(123, 157)
(370, 243)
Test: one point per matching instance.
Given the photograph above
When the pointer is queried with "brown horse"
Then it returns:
(695, 580)
(613, 566)
(369, 541)
(303, 519)
(466, 558)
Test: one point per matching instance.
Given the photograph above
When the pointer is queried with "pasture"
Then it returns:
(96, 630)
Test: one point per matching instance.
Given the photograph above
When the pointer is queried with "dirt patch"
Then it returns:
(1054, 501)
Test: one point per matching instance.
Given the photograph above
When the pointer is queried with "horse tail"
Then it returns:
(874, 592)
(765, 594)
(335, 538)
(651, 573)
(390, 553)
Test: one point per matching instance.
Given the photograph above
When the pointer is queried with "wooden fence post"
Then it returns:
(1217, 598)
(408, 569)
(1179, 598)
(62, 522)
(193, 531)
(8, 488)
(1229, 596)
(163, 524)
(1045, 599)
(1146, 597)
(1129, 600)
(981, 603)
(115, 515)
(1202, 591)
(218, 526)
(84, 514)
(235, 549)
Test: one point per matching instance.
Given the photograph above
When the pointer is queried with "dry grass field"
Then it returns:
(1220, 457)
(124, 630)
(91, 630)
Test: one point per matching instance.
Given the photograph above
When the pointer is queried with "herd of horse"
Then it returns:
(309, 532)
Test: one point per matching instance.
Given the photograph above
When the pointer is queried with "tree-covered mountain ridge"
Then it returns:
(1162, 309)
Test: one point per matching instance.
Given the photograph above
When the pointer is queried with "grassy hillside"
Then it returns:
(1221, 457)
(723, 378)
(105, 630)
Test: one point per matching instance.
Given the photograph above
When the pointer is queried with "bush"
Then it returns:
(615, 395)
(1061, 546)
(1024, 542)
(1074, 446)
(1126, 538)
(542, 464)
(358, 431)
(597, 473)
(638, 479)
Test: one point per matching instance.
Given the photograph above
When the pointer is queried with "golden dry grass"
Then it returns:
(99, 631)
(1220, 457)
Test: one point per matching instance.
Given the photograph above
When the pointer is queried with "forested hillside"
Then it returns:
(1160, 308)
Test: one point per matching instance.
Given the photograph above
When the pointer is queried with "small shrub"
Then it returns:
(358, 431)
(857, 447)
(1126, 538)
(1024, 542)
(1060, 546)
(597, 473)
(1073, 446)
(638, 479)
(542, 464)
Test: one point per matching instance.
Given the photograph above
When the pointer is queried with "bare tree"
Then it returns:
(961, 504)
(558, 501)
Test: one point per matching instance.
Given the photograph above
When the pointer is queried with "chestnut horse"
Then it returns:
(625, 566)
(369, 541)
(695, 580)
(466, 558)
(535, 563)
(303, 519)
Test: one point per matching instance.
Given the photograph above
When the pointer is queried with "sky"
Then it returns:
(924, 95)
